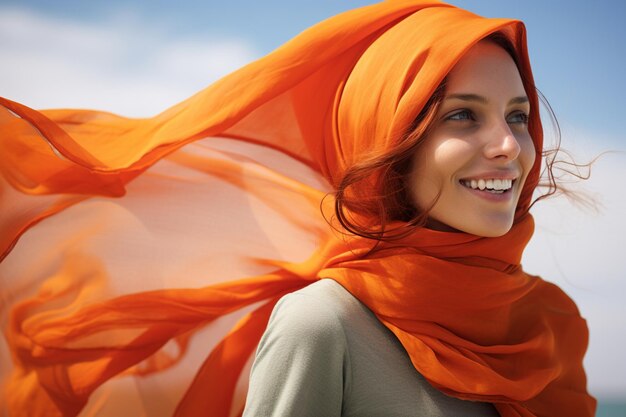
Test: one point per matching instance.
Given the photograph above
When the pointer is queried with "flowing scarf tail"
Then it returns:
(96, 284)
(59, 363)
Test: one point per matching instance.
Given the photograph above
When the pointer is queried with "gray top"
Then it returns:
(324, 353)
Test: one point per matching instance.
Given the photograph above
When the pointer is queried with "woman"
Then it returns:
(143, 258)
(324, 352)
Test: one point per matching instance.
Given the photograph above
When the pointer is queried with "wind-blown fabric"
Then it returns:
(141, 258)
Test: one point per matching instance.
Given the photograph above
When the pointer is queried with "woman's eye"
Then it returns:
(518, 117)
(461, 115)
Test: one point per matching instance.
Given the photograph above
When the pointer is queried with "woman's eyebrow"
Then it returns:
(484, 100)
(519, 100)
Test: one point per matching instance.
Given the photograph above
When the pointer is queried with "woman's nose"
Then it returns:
(501, 142)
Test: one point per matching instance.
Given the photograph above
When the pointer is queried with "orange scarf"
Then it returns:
(143, 257)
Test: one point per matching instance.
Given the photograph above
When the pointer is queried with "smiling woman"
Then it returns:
(334, 229)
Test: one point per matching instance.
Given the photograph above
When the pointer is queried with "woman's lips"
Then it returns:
(496, 191)
(495, 184)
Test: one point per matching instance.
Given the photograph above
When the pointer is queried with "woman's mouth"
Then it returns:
(490, 185)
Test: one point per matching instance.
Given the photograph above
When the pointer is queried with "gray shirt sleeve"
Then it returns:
(301, 362)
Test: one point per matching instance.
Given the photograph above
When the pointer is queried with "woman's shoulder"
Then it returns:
(326, 314)
(323, 306)
(302, 360)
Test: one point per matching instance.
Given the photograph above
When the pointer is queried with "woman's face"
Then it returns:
(479, 152)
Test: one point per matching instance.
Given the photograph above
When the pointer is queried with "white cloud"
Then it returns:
(120, 64)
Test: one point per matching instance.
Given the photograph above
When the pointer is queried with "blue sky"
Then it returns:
(150, 54)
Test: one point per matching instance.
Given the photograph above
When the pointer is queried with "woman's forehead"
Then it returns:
(486, 69)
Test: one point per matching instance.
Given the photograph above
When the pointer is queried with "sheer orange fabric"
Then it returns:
(142, 257)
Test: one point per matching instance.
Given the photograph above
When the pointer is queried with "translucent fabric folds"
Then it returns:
(142, 257)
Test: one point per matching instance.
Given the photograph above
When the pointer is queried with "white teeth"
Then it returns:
(497, 185)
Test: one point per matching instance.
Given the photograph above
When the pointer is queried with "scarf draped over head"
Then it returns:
(143, 257)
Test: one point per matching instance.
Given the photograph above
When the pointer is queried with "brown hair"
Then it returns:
(366, 210)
